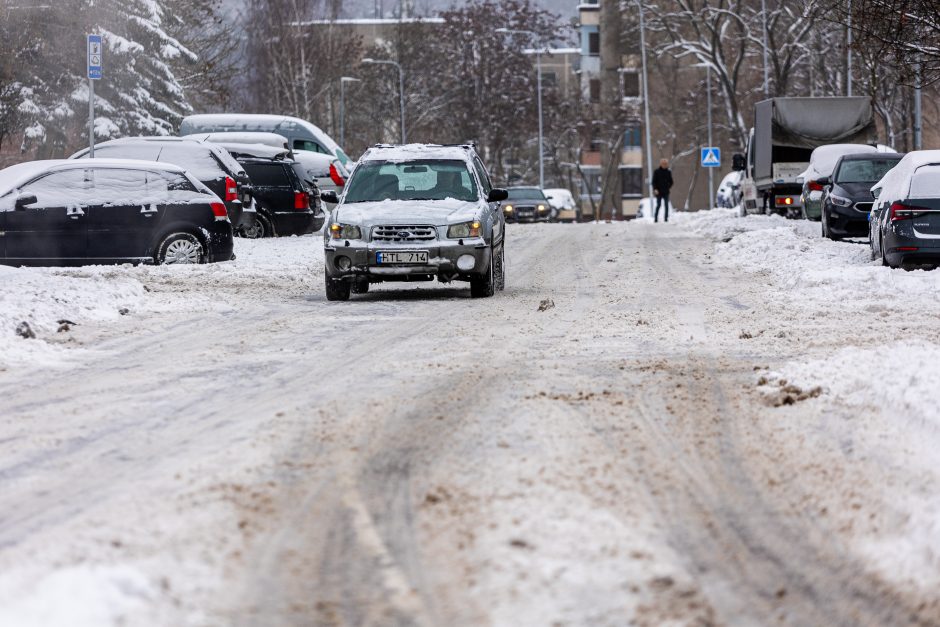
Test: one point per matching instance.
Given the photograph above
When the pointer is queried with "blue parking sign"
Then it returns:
(711, 157)
(94, 57)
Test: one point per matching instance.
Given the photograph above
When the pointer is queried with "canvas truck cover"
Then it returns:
(807, 123)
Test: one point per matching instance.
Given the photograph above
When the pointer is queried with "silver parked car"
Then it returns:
(413, 213)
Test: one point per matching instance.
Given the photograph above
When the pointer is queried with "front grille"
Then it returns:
(403, 233)
(864, 206)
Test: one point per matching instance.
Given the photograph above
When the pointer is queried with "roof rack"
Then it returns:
(465, 145)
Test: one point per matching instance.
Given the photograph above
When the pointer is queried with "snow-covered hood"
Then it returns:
(435, 212)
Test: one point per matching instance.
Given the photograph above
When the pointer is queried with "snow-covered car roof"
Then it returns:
(222, 154)
(242, 137)
(823, 159)
(234, 120)
(896, 184)
(316, 163)
(14, 176)
(411, 152)
(255, 150)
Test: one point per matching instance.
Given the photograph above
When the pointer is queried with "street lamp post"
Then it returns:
(342, 108)
(401, 89)
(763, 14)
(538, 68)
(646, 103)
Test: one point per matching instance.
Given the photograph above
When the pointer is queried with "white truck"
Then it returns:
(785, 133)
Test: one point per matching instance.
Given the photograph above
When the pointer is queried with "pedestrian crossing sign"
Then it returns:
(711, 157)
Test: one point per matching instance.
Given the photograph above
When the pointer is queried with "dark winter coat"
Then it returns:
(662, 180)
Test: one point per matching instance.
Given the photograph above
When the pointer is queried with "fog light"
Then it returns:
(343, 262)
(466, 262)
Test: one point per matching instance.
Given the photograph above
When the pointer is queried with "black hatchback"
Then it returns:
(109, 211)
(209, 163)
(286, 203)
(847, 198)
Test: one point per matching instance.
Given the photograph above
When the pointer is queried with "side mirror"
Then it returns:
(329, 196)
(824, 181)
(876, 192)
(23, 200)
(497, 195)
(738, 163)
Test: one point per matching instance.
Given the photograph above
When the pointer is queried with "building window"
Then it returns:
(630, 84)
(595, 89)
(594, 44)
(632, 137)
(631, 182)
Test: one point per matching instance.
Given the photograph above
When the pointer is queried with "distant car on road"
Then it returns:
(904, 226)
(413, 213)
(847, 199)
(77, 212)
(526, 204)
(208, 162)
(563, 206)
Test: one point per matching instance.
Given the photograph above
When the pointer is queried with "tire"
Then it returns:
(179, 249)
(337, 289)
(268, 225)
(359, 286)
(258, 230)
(484, 285)
(501, 268)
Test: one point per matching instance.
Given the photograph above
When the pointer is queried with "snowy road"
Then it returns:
(236, 450)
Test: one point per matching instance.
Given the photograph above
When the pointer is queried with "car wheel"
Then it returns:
(257, 229)
(180, 248)
(268, 225)
(360, 286)
(337, 289)
(484, 285)
(501, 268)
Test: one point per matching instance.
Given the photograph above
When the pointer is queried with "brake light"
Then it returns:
(301, 200)
(231, 189)
(785, 200)
(814, 186)
(900, 211)
(219, 211)
(335, 176)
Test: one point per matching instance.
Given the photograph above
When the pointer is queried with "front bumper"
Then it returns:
(847, 221)
(442, 259)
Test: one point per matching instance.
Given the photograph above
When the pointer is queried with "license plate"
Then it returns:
(402, 257)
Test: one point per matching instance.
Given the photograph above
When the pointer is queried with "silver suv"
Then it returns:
(413, 213)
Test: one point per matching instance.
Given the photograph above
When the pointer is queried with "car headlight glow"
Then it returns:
(840, 201)
(464, 229)
(541, 207)
(508, 208)
(345, 231)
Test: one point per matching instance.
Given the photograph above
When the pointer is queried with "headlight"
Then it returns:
(345, 231)
(464, 229)
(541, 207)
(840, 201)
(508, 208)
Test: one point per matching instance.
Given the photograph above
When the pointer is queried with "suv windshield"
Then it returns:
(421, 179)
(864, 170)
(526, 193)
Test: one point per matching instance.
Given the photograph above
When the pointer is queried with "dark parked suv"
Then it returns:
(61, 212)
(527, 204)
(209, 163)
(847, 197)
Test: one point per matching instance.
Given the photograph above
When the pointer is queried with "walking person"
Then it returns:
(662, 183)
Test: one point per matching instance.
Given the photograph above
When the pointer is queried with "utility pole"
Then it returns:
(538, 68)
(763, 13)
(646, 103)
(918, 112)
(94, 49)
(711, 171)
(848, 53)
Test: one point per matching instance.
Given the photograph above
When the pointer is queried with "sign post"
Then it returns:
(94, 74)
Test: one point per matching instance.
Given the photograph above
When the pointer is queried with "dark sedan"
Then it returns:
(109, 211)
(526, 204)
(904, 227)
(847, 197)
(210, 164)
